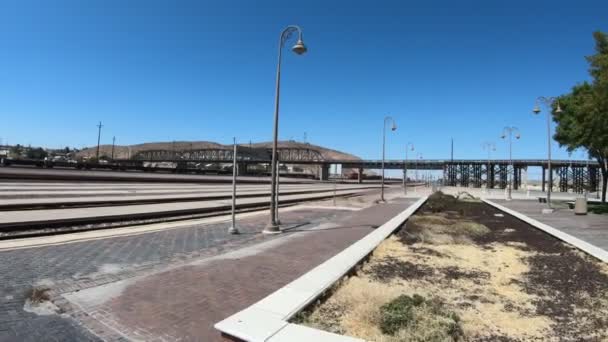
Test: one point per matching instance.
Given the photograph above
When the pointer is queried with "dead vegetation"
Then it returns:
(37, 295)
(458, 272)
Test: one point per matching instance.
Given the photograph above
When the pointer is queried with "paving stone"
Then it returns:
(185, 302)
(75, 266)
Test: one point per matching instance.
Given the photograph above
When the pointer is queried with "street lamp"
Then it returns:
(113, 143)
(418, 156)
(98, 140)
(299, 48)
(509, 131)
(408, 146)
(387, 119)
(489, 146)
(548, 102)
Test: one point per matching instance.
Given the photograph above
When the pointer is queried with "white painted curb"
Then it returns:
(578, 243)
(267, 320)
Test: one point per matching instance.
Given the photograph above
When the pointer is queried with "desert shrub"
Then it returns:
(469, 228)
(398, 313)
(38, 294)
(439, 230)
(417, 319)
(439, 202)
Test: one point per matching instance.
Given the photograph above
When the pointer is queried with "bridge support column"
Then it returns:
(593, 179)
(542, 182)
(476, 175)
(503, 176)
(324, 172)
(562, 173)
(360, 175)
(490, 176)
(516, 177)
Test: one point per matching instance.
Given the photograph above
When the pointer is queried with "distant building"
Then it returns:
(4, 151)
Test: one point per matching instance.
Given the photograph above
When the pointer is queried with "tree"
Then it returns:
(16, 151)
(583, 121)
(36, 153)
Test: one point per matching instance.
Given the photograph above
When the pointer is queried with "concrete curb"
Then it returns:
(576, 242)
(268, 319)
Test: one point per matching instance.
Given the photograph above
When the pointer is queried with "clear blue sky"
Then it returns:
(205, 70)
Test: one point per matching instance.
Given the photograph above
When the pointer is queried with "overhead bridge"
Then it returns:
(578, 175)
(225, 155)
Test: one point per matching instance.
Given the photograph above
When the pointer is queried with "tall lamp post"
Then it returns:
(233, 229)
(408, 146)
(98, 140)
(299, 48)
(387, 119)
(113, 144)
(509, 131)
(418, 156)
(548, 102)
(489, 146)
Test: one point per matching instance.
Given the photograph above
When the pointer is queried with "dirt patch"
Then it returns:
(505, 280)
(390, 268)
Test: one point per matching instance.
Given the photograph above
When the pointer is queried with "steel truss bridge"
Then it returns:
(225, 155)
(579, 175)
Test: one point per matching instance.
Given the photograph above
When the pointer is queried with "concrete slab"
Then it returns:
(591, 228)
(293, 297)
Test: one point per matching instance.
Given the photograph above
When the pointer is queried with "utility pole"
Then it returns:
(452, 151)
(233, 229)
(113, 143)
(98, 139)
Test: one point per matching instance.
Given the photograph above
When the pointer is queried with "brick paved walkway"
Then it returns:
(76, 266)
(183, 303)
(590, 228)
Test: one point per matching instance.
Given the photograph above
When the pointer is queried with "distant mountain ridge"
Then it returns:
(126, 151)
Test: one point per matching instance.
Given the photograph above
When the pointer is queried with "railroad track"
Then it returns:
(48, 221)
(57, 201)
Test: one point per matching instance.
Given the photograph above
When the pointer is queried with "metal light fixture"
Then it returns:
(548, 102)
(509, 131)
(408, 146)
(393, 128)
(299, 48)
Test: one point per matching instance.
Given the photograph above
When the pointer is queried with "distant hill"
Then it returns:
(125, 151)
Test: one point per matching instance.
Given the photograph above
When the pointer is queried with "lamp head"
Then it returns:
(299, 48)
(558, 109)
(517, 136)
(394, 128)
(536, 109)
(503, 136)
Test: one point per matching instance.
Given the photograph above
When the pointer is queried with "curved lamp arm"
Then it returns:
(386, 119)
(299, 48)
